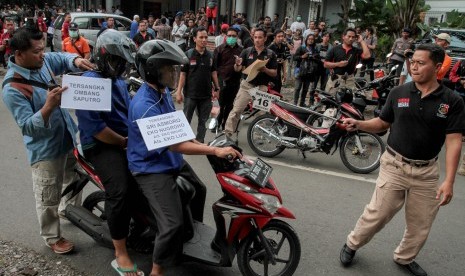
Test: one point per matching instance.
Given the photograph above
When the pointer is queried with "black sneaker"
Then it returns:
(414, 268)
(347, 255)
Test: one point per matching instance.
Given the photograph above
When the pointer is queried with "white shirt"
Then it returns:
(219, 40)
(307, 32)
(178, 30)
(298, 25)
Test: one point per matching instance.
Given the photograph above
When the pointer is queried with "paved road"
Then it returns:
(325, 197)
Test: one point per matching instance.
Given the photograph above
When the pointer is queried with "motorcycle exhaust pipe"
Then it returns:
(92, 225)
(277, 138)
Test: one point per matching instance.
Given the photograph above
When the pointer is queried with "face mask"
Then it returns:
(231, 41)
(73, 34)
(299, 19)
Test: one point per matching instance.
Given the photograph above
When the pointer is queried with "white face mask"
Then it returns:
(74, 34)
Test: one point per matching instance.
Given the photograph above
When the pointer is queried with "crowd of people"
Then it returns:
(291, 51)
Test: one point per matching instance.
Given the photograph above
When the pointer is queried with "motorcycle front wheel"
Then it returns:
(261, 142)
(253, 260)
(361, 152)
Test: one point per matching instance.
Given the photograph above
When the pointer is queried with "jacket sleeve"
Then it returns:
(60, 63)
(453, 76)
(31, 124)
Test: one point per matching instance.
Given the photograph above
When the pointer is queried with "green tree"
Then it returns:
(406, 14)
(454, 19)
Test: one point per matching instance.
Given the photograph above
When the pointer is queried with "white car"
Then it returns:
(89, 25)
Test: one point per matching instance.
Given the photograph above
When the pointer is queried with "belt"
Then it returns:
(411, 162)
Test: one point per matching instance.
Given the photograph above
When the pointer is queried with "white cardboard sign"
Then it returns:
(262, 100)
(165, 130)
(86, 93)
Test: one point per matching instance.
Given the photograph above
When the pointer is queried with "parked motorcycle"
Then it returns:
(291, 126)
(247, 219)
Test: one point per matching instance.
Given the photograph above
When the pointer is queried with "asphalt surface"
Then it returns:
(325, 197)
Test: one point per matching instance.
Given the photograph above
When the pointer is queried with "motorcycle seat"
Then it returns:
(293, 108)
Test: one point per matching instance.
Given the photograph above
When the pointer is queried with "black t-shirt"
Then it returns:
(139, 38)
(280, 54)
(419, 125)
(338, 53)
(250, 55)
(198, 74)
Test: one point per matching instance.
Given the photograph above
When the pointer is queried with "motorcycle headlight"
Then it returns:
(269, 202)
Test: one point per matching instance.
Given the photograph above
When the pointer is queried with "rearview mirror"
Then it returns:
(389, 55)
(211, 123)
(359, 66)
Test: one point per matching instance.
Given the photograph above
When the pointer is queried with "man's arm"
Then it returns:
(453, 148)
(181, 83)
(374, 125)
(191, 148)
(108, 136)
(366, 51)
(216, 83)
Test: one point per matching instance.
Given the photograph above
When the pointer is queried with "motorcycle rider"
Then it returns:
(103, 137)
(156, 171)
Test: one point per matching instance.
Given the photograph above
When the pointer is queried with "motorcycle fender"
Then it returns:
(285, 213)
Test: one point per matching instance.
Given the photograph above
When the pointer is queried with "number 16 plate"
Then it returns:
(262, 100)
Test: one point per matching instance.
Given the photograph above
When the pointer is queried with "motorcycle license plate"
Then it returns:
(259, 172)
(262, 100)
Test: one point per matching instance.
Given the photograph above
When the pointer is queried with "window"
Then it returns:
(83, 23)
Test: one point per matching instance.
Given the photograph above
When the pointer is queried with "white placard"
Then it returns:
(50, 30)
(262, 100)
(86, 93)
(165, 130)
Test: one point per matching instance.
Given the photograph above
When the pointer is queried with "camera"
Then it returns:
(52, 85)
(408, 54)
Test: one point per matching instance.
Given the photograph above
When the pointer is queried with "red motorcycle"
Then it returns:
(291, 126)
(247, 219)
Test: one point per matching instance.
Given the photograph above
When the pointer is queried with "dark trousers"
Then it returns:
(228, 93)
(302, 85)
(322, 77)
(121, 192)
(162, 194)
(368, 64)
(203, 108)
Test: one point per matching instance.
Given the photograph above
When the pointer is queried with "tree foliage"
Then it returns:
(454, 19)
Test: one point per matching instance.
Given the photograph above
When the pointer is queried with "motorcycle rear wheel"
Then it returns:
(369, 160)
(95, 203)
(253, 260)
(259, 141)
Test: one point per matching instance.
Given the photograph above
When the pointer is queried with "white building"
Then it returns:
(439, 10)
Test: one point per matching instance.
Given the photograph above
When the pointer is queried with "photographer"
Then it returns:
(398, 48)
(280, 47)
(308, 62)
(5, 40)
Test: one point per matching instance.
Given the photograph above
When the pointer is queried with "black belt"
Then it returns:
(414, 163)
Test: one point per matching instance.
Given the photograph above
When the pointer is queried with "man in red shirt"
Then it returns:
(5, 40)
(65, 27)
(41, 24)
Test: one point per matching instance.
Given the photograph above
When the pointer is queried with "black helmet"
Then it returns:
(112, 50)
(155, 54)
(344, 95)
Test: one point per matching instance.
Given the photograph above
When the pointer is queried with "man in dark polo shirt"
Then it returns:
(280, 47)
(142, 36)
(196, 82)
(422, 115)
(265, 75)
(343, 58)
(229, 79)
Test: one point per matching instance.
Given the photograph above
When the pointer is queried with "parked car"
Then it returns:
(456, 49)
(89, 26)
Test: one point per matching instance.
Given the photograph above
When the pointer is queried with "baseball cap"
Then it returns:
(73, 26)
(407, 30)
(443, 36)
(224, 26)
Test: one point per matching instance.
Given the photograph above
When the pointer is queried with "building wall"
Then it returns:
(439, 9)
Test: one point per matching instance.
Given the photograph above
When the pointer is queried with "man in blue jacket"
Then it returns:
(48, 131)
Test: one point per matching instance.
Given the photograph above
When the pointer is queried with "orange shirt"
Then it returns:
(444, 68)
(81, 44)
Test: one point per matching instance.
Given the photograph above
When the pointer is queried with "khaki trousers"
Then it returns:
(48, 179)
(399, 183)
(240, 103)
(330, 85)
